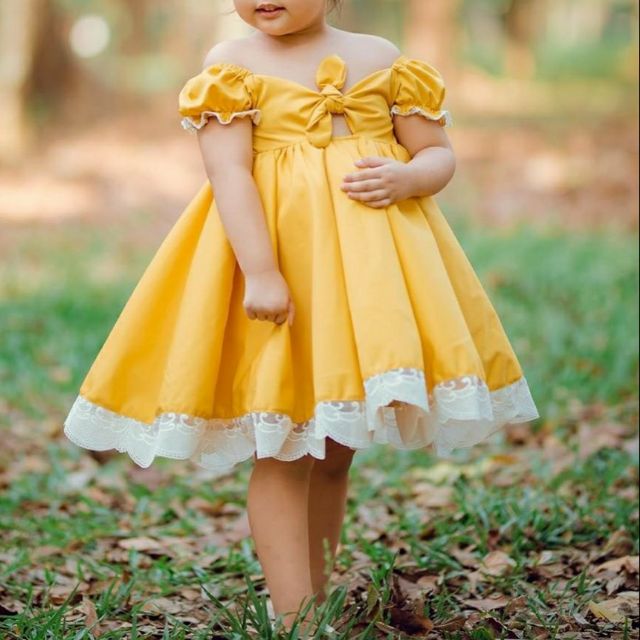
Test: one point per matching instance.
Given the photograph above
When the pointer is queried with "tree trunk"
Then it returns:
(432, 33)
(18, 36)
(522, 19)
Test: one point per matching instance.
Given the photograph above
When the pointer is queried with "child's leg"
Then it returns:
(277, 505)
(327, 503)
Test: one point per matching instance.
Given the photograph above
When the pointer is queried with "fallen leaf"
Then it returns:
(455, 624)
(630, 564)
(140, 544)
(90, 617)
(497, 563)
(407, 589)
(606, 610)
(620, 543)
(409, 620)
(161, 606)
(431, 495)
(488, 604)
(465, 557)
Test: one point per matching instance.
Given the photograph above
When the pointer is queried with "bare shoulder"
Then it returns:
(230, 51)
(377, 51)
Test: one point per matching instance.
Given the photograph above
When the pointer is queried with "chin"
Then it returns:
(274, 29)
(277, 31)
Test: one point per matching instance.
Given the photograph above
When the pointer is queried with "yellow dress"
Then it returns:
(388, 307)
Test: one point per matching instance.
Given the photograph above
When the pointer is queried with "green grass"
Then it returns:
(568, 302)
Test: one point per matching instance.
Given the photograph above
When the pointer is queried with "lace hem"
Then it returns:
(442, 117)
(193, 125)
(459, 413)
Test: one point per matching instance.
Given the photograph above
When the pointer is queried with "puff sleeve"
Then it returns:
(223, 91)
(417, 87)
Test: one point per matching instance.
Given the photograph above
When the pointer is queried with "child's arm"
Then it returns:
(383, 181)
(228, 159)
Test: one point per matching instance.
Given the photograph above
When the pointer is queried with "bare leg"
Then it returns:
(327, 503)
(277, 505)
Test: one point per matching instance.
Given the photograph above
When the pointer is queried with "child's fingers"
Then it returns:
(365, 174)
(372, 161)
(379, 204)
(280, 318)
(372, 196)
(362, 185)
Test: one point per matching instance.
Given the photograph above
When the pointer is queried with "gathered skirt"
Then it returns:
(394, 340)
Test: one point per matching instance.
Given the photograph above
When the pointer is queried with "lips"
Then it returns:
(269, 9)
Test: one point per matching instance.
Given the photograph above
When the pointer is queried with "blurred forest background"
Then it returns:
(535, 532)
(544, 89)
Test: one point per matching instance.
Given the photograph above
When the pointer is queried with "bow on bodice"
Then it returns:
(330, 78)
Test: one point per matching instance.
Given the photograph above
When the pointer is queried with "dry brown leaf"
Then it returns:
(431, 495)
(488, 604)
(614, 584)
(191, 594)
(625, 605)
(213, 508)
(594, 437)
(140, 544)
(546, 557)
(630, 564)
(474, 578)
(407, 589)
(59, 593)
(497, 563)
(515, 604)
(606, 610)
(455, 624)
(410, 620)
(504, 458)
(549, 571)
(90, 617)
(238, 530)
(465, 557)
(429, 583)
(620, 543)
(162, 606)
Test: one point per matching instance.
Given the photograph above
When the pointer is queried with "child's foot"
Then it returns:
(327, 630)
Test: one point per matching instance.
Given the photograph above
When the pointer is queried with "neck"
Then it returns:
(314, 31)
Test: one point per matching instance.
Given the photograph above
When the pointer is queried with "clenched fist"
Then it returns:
(266, 297)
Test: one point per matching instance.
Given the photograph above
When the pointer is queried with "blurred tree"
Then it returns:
(384, 18)
(18, 32)
(431, 33)
(522, 20)
(35, 70)
(136, 41)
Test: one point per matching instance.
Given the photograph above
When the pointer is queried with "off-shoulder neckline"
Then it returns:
(401, 58)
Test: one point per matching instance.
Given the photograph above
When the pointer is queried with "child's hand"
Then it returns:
(379, 183)
(266, 297)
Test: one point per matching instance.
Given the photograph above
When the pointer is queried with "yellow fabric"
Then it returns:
(374, 289)
(417, 84)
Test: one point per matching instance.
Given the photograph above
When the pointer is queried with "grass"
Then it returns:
(164, 555)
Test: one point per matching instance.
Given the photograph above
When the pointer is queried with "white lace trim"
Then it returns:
(192, 124)
(443, 117)
(459, 413)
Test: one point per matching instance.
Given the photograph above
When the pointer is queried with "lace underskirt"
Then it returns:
(457, 413)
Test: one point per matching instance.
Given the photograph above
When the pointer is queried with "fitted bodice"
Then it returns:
(286, 112)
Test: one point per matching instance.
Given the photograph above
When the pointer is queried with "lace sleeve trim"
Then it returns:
(442, 117)
(192, 124)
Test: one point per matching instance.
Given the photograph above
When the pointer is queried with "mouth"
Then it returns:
(268, 9)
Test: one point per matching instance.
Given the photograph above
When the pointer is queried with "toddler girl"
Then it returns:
(311, 300)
